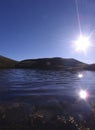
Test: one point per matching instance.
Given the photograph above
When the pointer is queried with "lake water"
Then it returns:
(52, 96)
(38, 86)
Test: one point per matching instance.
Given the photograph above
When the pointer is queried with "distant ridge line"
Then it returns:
(55, 63)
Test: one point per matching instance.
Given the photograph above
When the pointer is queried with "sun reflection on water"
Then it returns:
(80, 75)
(83, 94)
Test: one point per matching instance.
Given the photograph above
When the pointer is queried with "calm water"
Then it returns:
(44, 86)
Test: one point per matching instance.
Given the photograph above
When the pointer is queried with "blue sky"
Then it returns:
(45, 28)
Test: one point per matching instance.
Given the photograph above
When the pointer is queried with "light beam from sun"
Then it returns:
(83, 42)
(78, 17)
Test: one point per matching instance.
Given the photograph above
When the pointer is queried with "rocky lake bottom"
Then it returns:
(63, 116)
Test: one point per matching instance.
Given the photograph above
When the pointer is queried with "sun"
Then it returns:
(82, 44)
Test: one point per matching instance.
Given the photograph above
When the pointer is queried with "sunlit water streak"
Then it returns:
(21, 84)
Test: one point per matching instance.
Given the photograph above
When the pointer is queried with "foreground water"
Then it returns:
(31, 85)
(35, 99)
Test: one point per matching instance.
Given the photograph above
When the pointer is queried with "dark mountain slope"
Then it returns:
(7, 62)
(56, 63)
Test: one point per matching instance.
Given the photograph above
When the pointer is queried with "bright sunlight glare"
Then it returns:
(83, 94)
(82, 44)
(80, 75)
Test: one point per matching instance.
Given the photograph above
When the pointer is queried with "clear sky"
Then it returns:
(45, 28)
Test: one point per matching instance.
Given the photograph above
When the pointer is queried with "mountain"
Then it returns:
(90, 67)
(56, 63)
(7, 62)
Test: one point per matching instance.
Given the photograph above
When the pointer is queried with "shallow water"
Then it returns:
(38, 86)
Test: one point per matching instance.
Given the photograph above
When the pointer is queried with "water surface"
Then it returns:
(38, 86)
